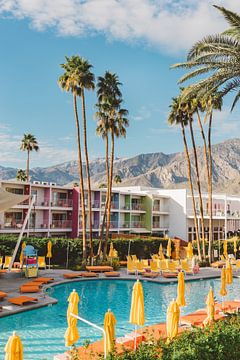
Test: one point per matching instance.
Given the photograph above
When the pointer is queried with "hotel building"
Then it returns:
(137, 209)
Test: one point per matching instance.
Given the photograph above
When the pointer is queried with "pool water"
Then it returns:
(42, 330)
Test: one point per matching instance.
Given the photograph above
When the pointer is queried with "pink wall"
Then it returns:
(75, 212)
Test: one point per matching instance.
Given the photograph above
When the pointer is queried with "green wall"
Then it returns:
(147, 203)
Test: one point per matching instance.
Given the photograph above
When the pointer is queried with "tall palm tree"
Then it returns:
(21, 175)
(29, 143)
(109, 100)
(217, 55)
(179, 116)
(76, 78)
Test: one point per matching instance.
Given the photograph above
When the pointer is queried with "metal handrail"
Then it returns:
(96, 327)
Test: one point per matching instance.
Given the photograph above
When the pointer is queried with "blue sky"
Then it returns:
(137, 39)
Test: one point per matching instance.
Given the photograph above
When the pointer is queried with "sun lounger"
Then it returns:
(99, 268)
(123, 263)
(154, 266)
(2, 295)
(197, 318)
(43, 280)
(112, 274)
(218, 264)
(7, 262)
(32, 283)
(170, 275)
(22, 300)
(150, 275)
(131, 268)
(42, 262)
(72, 275)
(228, 306)
(29, 289)
(89, 274)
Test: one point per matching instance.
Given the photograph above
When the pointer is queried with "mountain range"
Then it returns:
(154, 169)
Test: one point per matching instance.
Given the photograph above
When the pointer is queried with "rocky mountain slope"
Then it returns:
(156, 169)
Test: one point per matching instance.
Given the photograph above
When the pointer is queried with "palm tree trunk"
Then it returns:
(80, 176)
(210, 188)
(106, 202)
(109, 193)
(191, 189)
(198, 187)
(204, 148)
(88, 173)
(28, 159)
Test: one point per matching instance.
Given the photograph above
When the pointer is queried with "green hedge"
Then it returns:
(141, 247)
(221, 341)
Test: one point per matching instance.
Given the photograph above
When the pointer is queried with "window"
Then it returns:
(15, 191)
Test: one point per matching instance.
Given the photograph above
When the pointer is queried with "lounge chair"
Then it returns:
(2, 295)
(42, 262)
(228, 306)
(29, 289)
(139, 267)
(43, 280)
(134, 258)
(99, 268)
(7, 262)
(89, 274)
(155, 257)
(150, 275)
(170, 275)
(131, 268)
(154, 267)
(171, 266)
(186, 268)
(22, 300)
(145, 263)
(162, 265)
(72, 275)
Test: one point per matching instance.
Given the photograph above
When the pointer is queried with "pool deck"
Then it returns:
(10, 283)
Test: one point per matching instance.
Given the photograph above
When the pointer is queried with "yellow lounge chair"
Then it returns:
(131, 269)
(134, 258)
(171, 266)
(139, 267)
(145, 263)
(155, 257)
(1, 262)
(186, 268)
(7, 262)
(42, 262)
(162, 265)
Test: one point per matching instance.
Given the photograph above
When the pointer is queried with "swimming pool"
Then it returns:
(42, 330)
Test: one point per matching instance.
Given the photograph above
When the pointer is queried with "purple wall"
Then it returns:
(75, 212)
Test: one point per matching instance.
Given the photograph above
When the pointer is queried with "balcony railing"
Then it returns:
(138, 207)
(96, 204)
(13, 224)
(219, 213)
(61, 224)
(126, 207)
(137, 224)
(62, 203)
(39, 202)
(114, 205)
(156, 207)
(156, 224)
(38, 226)
(125, 224)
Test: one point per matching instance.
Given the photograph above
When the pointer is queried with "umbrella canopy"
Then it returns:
(112, 252)
(160, 252)
(8, 200)
(210, 307)
(14, 348)
(109, 327)
(189, 251)
(71, 334)
(21, 255)
(225, 249)
(169, 248)
(229, 276)
(137, 306)
(173, 314)
(223, 290)
(49, 250)
(181, 290)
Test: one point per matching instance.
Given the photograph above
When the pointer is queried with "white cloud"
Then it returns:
(171, 25)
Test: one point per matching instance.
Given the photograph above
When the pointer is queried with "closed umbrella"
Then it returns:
(21, 255)
(210, 307)
(223, 290)
(173, 315)
(71, 334)
(112, 252)
(160, 252)
(109, 327)
(14, 348)
(229, 276)
(169, 248)
(49, 251)
(181, 290)
(189, 251)
(137, 307)
(235, 246)
(225, 249)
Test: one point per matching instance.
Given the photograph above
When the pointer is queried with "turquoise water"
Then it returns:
(42, 330)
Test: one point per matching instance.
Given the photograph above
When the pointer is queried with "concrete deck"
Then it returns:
(10, 283)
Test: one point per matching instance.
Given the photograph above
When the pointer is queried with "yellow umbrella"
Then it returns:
(223, 290)
(21, 255)
(189, 251)
(14, 348)
(181, 290)
(49, 251)
(210, 307)
(235, 245)
(225, 249)
(137, 307)
(229, 276)
(160, 252)
(109, 327)
(169, 248)
(173, 315)
(71, 334)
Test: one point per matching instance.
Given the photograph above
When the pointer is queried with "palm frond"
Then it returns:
(236, 99)
(232, 18)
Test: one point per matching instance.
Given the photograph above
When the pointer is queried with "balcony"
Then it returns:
(216, 213)
(38, 226)
(42, 203)
(62, 203)
(156, 208)
(114, 205)
(96, 204)
(137, 207)
(156, 225)
(137, 224)
(125, 207)
(125, 225)
(61, 224)
(12, 225)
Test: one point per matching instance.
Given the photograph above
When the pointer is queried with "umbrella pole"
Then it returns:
(49, 263)
(135, 338)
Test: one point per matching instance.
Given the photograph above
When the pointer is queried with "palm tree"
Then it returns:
(117, 179)
(29, 143)
(76, 78)
(180, 117)
(219, 56)
(21, 175)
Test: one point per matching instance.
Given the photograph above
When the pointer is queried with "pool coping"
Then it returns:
(48, 300)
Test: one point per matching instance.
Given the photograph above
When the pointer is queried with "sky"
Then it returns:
(137, 39)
